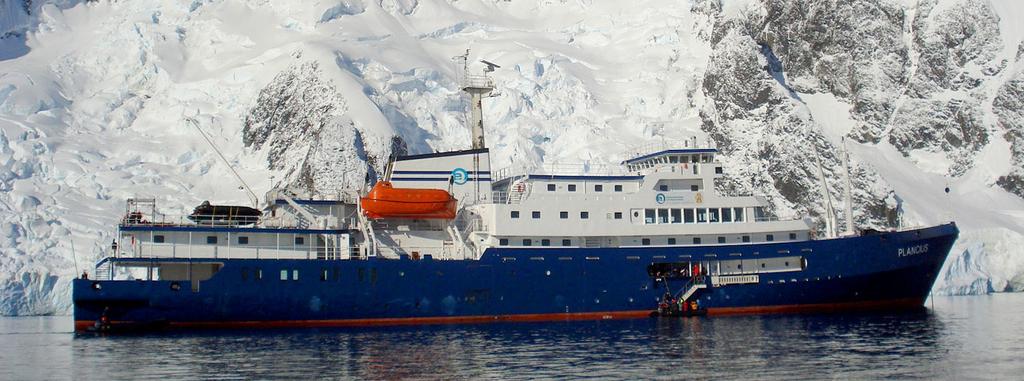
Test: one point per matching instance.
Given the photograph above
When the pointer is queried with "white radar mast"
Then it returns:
(478, 86)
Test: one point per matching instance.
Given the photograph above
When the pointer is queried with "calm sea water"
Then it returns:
(979, 337)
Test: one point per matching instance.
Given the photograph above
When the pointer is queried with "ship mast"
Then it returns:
(849, 198)
(478, 86)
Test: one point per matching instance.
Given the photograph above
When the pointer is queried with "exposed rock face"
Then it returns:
(299, 119)
(1009, 107)
(770, 143)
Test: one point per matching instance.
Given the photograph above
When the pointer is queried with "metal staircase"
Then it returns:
(696, 283)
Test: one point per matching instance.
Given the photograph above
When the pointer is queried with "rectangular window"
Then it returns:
(713, 215)
(746, 238)
(242, 240)
(671, 241)
(503, 241)
(323, 275)
(618, 188)
(696, 240)
(721, 239)
(688, 216)
(545, 242)
(551, 187)
(300, 240)
(662, 216)
(769, 237)
(618, 215)
(663, 188)
(673, 159)
(737, 214)
(648, 216)
(535, 214)
(598, 188)
(527, 242)
(726, 214)
(694, 187)
(677, 216)
(284, 274)
(259, 274)
(792, 236)
(212, 240)
(295, 274)
(514, 214)
(563, 215)
(702, 215)
(584, 215)
(645, 241)
(572, 187)
(718, 170)
(158, 239)
(566, 242)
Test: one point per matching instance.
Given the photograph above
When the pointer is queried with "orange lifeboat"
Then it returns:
(385, 201)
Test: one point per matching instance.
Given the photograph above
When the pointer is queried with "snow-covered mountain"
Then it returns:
(102, 101)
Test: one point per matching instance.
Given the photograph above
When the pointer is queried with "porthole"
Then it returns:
(96, 286)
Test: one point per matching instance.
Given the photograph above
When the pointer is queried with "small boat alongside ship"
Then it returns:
(443, 238)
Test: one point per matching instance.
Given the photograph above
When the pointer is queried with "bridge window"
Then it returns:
(618, 215)
(551, 187)
(673, 159)
(726, 214)
(536, 214)
(702, 215)
(527, 242)
(545, 242)
(696, 240)
(618, 188)
(514, 214)
(584, 215)
(648, 216)
(566, 242)
(243, 240)
(688, 216)
(158, 239)
(684, 159)
(572, 187)
(677, 216)
(598, 188)
(645, 241)
(769, 237)
(563, 215)
(300, 240)
(502, 241)
(662, 216)
(671, 241)
(211, 240)
(713, 215)
(737, 214)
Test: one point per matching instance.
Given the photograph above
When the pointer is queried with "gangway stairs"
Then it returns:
(695, 284)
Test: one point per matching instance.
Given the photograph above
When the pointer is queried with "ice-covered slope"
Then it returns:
(94, 99)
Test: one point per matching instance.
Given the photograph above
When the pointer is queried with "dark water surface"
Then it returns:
(979, 337)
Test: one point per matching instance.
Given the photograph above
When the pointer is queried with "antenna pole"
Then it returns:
(830, 229)
(849, 197)
(252, 196)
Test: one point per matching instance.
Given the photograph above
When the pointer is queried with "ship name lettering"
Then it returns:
(913, 250)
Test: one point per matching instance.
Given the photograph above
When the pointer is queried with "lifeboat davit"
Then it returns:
(385, 201)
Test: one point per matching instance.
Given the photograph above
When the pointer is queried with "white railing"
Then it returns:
(195, 251)
(477, 81)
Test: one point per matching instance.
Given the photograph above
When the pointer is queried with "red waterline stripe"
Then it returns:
(82, 325)
(906, 303)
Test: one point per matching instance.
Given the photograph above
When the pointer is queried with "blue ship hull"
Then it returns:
(884, 270)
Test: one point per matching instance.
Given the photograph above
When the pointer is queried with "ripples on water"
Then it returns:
(962, 337)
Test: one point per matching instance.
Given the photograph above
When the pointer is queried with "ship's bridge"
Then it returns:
(684, 156)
